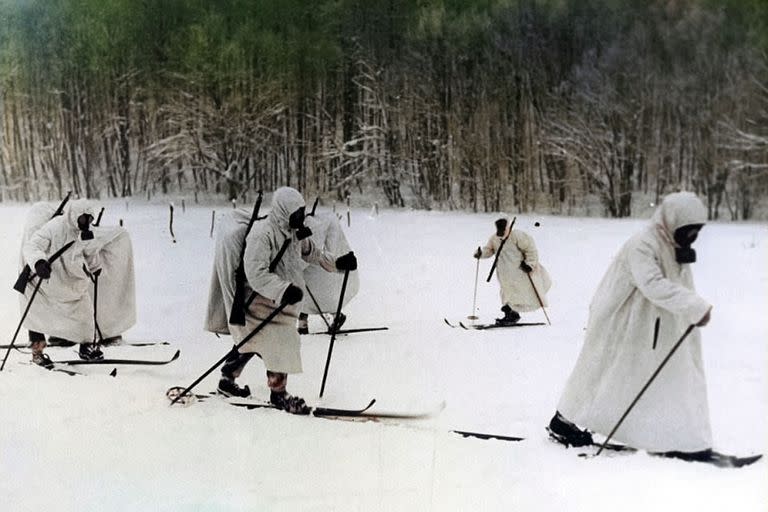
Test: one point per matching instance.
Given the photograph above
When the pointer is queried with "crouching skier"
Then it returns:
(64, 307)
(324, 288)
(272, 262)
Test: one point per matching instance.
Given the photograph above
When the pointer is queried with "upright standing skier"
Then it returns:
(64, 306)
(649, 282)
(517, 260)
(274, 251)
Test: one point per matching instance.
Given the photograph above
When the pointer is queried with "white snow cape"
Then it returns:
(63, 306)
(324, 286)
(644, 283)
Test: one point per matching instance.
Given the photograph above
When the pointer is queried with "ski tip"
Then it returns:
(176, 355)
(463, 326)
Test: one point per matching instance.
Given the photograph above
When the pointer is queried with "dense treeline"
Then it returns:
(486, 104)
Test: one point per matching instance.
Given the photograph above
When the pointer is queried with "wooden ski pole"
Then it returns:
(541, 303)
(473, 316)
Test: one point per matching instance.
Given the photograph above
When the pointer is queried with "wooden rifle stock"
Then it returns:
(237, 315)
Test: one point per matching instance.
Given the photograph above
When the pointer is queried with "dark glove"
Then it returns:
(43, 269)
(292, 295)
(525, 267)
(347, 262)
(478, 253)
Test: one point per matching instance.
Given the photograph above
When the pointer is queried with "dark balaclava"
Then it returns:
(501, 226)
(296, 221)
(684, 237)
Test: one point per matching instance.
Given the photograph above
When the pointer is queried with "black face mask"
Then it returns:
(296, 221)
(84, 223)
(501, 226)
(684, 237)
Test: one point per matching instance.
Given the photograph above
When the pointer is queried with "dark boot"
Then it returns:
(228, 387)
(510, 317)
(288, 403)
(233, 367)
(565, 432)
(38, 357)
(90, 352)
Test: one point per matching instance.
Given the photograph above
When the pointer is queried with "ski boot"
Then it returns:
(511, 317)
(288, 403)
(38, 357)
(229, 388)
(335, 326)
(43, 360)
(90, 352)
(303, 327)
(568, 434)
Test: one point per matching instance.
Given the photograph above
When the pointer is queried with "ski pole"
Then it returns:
(473, 316)
(333, 334)
(253, 333)
(97, 337)
(53, 258)
(318, 307)
(23, 316)
(647, 384)
(541, 303)
(498, 252)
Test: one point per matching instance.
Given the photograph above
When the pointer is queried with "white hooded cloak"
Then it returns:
(644, 283)
(324, 286)
(278, 343)
(63, 306)
(516, 289)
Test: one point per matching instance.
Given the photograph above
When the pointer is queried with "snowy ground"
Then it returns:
(100, 443)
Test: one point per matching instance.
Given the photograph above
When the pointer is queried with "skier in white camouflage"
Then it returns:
(274, 251)
(322, 287)
(64, 307)
(649, 282)
(517, 260)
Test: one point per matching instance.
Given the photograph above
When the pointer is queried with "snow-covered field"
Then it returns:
(99, 443)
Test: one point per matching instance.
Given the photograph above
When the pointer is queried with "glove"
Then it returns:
(347, 262)
(525, 267)
(43, 269)
(478, 253)
(292, 295)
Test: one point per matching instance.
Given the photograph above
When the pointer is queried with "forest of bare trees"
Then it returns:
(487, 105)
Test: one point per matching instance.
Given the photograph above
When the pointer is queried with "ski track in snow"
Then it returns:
(100, 443)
